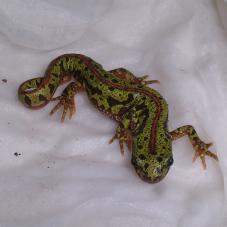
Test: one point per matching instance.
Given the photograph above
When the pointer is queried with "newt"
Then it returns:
(141, 112)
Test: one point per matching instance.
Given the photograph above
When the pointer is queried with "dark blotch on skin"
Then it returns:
(112, 101)
(42, 98)
(93, 90)
(159, 159)
(102, 107)
(55, 75)
(146, 165)
(77, 73)
(141, 106)
(67, 58)
(27, 101)
(61, 66)
(140, 146)
(193, 131)
(142, 157)
(114, 80)
(111, 88)
(52, 88)
(80, 61)
(38, 82)
(86, 69)
(144, 113)
(143, 124)
(140, 86)
(130, 97)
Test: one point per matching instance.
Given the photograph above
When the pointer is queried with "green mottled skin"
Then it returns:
(142, 112)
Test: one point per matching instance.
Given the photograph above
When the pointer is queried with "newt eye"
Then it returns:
(170, 161)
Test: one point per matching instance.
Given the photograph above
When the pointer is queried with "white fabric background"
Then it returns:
(67, 174)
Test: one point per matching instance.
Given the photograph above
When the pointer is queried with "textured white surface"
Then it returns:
(67, 174)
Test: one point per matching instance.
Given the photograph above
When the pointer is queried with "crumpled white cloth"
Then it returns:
(67, 174)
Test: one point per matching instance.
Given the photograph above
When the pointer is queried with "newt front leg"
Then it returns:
(124, 136)
(201, 148)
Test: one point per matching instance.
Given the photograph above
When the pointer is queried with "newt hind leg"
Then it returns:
(201, 148)
(67, 100)
(127, 75)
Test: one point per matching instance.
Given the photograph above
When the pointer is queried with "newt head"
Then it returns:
(151, 170)
(152, 166)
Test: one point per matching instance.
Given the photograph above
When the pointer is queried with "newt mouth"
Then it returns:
(148, 179)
